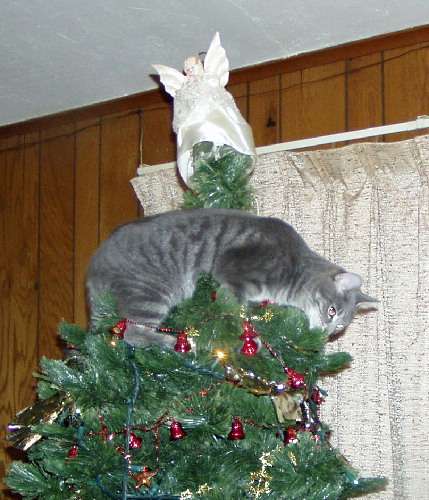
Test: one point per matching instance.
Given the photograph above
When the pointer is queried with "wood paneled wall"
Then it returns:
(65, 179)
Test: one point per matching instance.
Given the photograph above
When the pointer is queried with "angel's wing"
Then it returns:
(216, 62)
(170, 78)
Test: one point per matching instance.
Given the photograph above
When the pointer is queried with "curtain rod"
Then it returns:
(420, 123)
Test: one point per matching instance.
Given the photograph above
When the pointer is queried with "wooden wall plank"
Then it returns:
(6, 356)
(159, 140)
(10, 142)
(120, 137)
(86, 213)
(263, 112)
(18, 281)
(406, 86)
(56, 236)
(319, 106)
(25, 267)
(364, 92)
(240, 94)
(291, 106)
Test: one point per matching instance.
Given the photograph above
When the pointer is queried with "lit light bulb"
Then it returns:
(221, 355)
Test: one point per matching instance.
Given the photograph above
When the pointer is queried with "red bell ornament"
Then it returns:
(316, 396)
(73, 451)
(290, 435)
(295, 380)
(119, 328)
(249, 331)
(176, 431)
(182, 344)
(105, 434)
(237, 431)
(135, 441)
(250, 348)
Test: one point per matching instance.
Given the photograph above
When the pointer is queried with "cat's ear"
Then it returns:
(364, 301)
(345, 282)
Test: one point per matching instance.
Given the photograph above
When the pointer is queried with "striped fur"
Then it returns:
(152, 264)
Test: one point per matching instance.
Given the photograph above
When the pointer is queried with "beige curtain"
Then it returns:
(366, 207)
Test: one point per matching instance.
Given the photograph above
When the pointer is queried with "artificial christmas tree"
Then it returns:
(231, 412)
(140, 423)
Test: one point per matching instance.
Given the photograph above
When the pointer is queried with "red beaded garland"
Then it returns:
(166, 329)
(121, 451)
(237, 431)
(176, 431)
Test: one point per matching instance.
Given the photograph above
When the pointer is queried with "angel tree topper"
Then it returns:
(203, 109)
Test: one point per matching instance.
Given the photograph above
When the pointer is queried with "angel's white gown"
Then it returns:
(203, 109)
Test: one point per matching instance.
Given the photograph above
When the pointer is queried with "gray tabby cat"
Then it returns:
(152, 264)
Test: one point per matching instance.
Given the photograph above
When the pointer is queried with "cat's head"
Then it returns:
(336, 301)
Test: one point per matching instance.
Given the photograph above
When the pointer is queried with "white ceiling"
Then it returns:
(63, 54)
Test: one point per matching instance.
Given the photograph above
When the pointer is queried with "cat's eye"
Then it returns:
(332, 311)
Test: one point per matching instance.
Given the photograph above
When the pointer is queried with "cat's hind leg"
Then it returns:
(142, 307)
(139, 335)
(144, 317)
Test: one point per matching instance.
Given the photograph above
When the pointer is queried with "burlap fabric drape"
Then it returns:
(366, 207)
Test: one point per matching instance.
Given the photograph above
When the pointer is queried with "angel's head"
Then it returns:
(193, 66)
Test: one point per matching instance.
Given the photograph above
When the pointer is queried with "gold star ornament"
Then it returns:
(144, 477)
